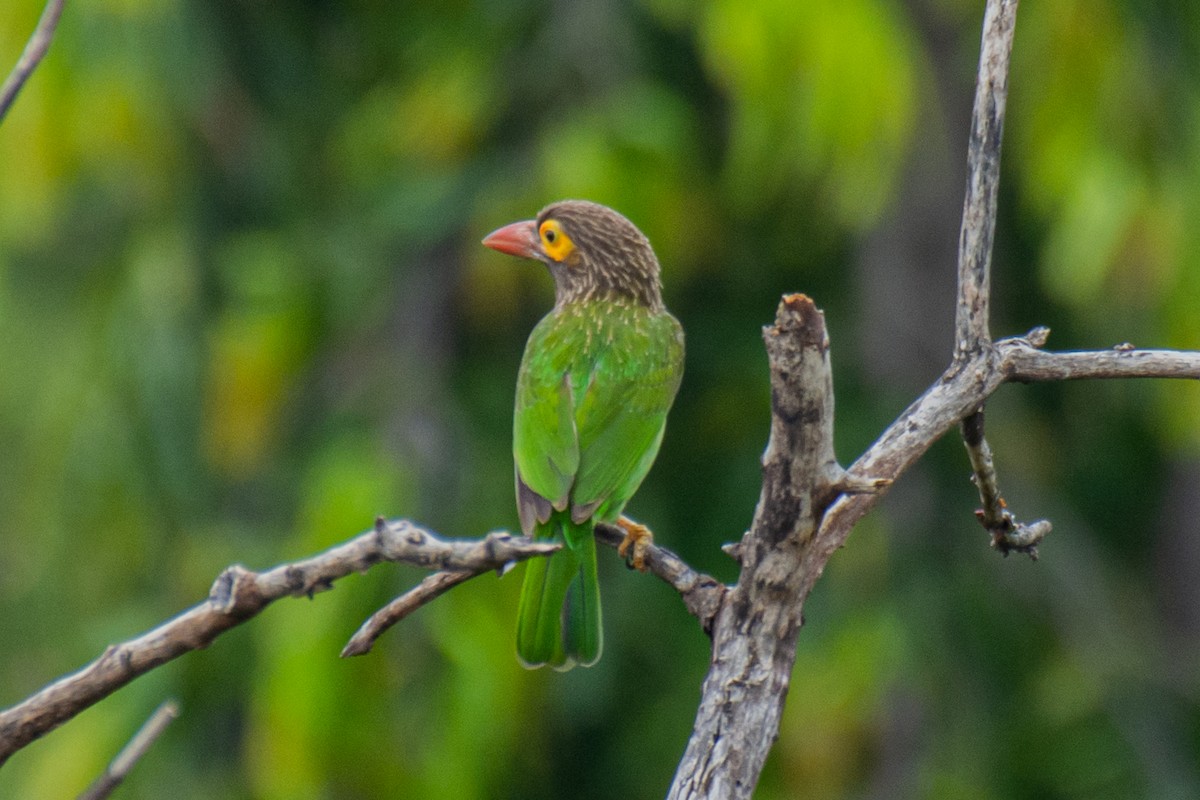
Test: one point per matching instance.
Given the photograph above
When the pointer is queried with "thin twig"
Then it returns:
(429, 589)
(32, 55)
(1026, 364)
(983, 179)
(1007, 534)
(137, 747)
(984, 466)
(702, 594)
(972, 335)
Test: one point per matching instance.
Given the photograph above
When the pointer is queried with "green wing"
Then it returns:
(623, 411)
(595, 386)
(545, 444)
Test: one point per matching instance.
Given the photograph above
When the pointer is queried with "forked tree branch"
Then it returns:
(961, 390)
(31, 56)
(794, 535)
(755, 630)
(806, 510)
(701, 594)
(239, 594)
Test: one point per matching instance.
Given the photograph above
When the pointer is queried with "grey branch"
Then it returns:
(1026, 364)
(1023, 361)
(1007, 534)
(963, 388)
(701, 594)
(983, 178)
(31, 56)
(141, 742)
(755, 630)
(782, 557)
(239, 594)
(743, 693)
(428, 589)
(976, 234)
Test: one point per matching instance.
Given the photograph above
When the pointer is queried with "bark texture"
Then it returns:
(754, 633)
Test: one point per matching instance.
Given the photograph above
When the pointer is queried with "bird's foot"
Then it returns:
(637, 541)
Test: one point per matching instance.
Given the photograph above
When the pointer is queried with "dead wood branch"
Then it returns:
(31, 56)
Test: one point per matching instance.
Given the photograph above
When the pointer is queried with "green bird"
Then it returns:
(599, 374)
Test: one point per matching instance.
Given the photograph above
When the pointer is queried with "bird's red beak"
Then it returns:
(517, 239)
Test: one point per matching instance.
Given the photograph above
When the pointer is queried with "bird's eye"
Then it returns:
(555, 241)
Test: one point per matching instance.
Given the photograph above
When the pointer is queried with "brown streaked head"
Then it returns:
(590, 250)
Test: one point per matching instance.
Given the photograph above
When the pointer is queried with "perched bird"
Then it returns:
(599, 374)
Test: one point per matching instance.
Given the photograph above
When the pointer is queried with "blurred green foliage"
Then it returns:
(243, 309)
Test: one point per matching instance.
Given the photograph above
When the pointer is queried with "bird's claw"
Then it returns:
(636, 543)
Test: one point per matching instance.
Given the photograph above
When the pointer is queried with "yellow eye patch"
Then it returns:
(555, 241)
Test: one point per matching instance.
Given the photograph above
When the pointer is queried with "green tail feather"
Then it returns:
(559, 618)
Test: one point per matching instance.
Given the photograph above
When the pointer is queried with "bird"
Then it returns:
(598, 376)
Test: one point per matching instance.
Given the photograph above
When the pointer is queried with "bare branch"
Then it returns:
(1024, 363)
(794, 533)
(985, 469)
(427, 590)
(702, 594)
(31, 56)
(1020, 360)
(1007, 534)
(962, 389)
(958, 392)
(983, 179)
(975, 372)
(755, 630)
(731, 700)
(138, 746)
(239, 594)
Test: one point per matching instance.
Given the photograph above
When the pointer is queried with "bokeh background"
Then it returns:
(244, 309)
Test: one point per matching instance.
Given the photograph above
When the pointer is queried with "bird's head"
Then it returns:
(591, 251)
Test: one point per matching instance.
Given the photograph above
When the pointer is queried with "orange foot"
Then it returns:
(638, 540)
